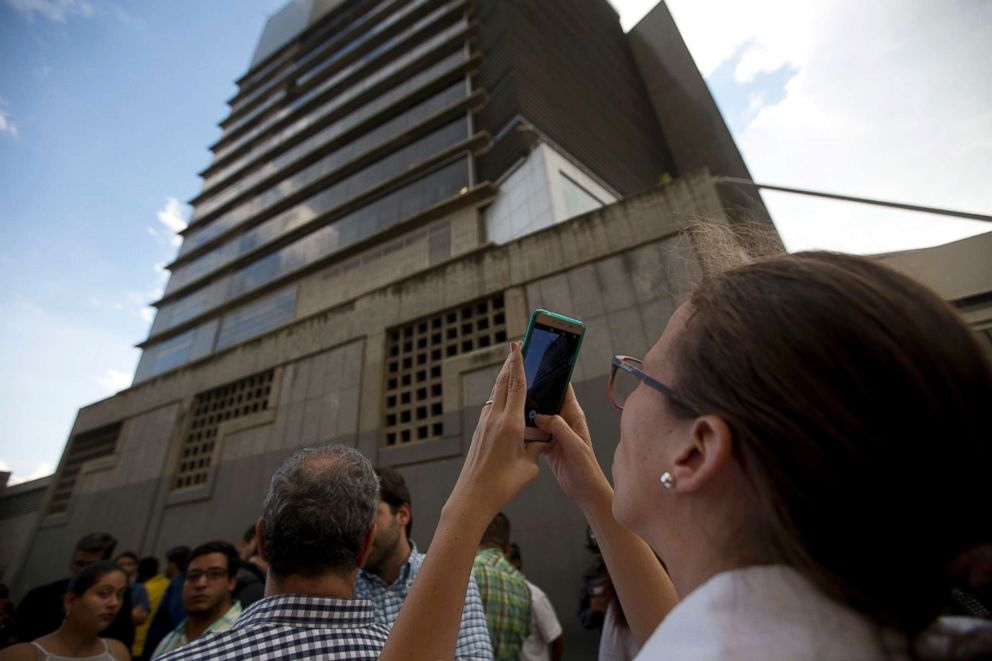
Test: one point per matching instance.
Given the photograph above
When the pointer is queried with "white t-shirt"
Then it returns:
(616, 643)
(764, 612)
(544, 627)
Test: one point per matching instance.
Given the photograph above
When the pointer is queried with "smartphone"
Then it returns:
(550, 350)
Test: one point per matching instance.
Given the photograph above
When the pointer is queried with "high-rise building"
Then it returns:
(397, 184)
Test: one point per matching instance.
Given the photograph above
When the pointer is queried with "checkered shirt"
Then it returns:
(473, 634)
(506, 598)
(177, 637)
(294, 626)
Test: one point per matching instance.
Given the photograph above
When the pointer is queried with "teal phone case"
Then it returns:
(578, 348)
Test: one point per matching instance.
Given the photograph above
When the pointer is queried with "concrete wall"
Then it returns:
(20, 509)
(620, 268)
(957, 270)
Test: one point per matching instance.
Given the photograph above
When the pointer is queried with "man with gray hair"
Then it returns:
(316, 530)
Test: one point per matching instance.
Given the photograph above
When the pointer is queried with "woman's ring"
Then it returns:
(488, 402)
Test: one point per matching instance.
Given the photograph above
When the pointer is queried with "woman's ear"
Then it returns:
(709, 449)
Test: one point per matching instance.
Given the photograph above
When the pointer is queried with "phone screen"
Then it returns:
(548, 364)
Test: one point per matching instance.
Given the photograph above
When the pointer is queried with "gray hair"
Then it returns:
(321, 504)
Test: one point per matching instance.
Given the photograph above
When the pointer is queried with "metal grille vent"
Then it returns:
(413, 410)
(210, 409)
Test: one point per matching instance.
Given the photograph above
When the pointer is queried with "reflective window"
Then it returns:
(190, 306)
(362, 83)
(331, 197)
(172, 353)
(257, 318)
(578, 200)
(414, 198)
(388, 129)
(363, 36)
(333, 130)
(265, 46)
(348, 71)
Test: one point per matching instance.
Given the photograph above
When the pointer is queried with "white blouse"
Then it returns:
(764, 612)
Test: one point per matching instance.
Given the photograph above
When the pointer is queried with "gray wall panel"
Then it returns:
(123, 512)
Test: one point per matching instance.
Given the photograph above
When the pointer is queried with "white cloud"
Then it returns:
(171, 216)
(890, 100)
(7, 126)
(139, 301)
(114, 380)
(43, 469)
(54, 10)
(161, 271)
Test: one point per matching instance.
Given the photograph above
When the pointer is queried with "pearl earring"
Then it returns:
(667, 480)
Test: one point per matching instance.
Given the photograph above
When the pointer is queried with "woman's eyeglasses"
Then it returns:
(626, 375)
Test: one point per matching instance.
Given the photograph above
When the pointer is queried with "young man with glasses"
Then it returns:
(210, 579)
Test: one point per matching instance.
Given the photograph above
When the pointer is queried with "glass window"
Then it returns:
(441, 184)
(325, 135)
(336, 78)
(361, 84)
(578, 200)
(331, 197)
(173, 353)
(257, 318)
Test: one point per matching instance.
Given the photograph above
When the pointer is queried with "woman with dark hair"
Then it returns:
(803, 447)
(91, 603)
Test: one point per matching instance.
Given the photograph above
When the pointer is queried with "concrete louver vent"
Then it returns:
(211, 409)
(84, 447)
(413, 409)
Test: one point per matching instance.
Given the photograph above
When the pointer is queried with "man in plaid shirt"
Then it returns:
(505, 594)
(316, 530)
(393, 565)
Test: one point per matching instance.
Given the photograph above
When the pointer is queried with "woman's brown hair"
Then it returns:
(861, 406)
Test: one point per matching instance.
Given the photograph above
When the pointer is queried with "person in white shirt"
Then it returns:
(545, 642)
(797, 448)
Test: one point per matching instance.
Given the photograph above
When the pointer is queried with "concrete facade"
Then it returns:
(20, 508)
(960, 271)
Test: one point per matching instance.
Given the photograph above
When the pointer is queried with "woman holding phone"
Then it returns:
(801, 448)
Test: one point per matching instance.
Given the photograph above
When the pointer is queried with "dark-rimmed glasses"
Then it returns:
(626, 374)
(213, 574)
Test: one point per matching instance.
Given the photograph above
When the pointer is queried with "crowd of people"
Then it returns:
(121, 607)
(801, 456)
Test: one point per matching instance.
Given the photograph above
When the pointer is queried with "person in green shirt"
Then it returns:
(505, 594)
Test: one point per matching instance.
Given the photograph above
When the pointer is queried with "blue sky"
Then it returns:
(113, 107)
(107, 109)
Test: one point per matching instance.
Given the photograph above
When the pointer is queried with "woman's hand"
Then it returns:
(497, 467)
(570, 454)
(644, 588)
(499, 464)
